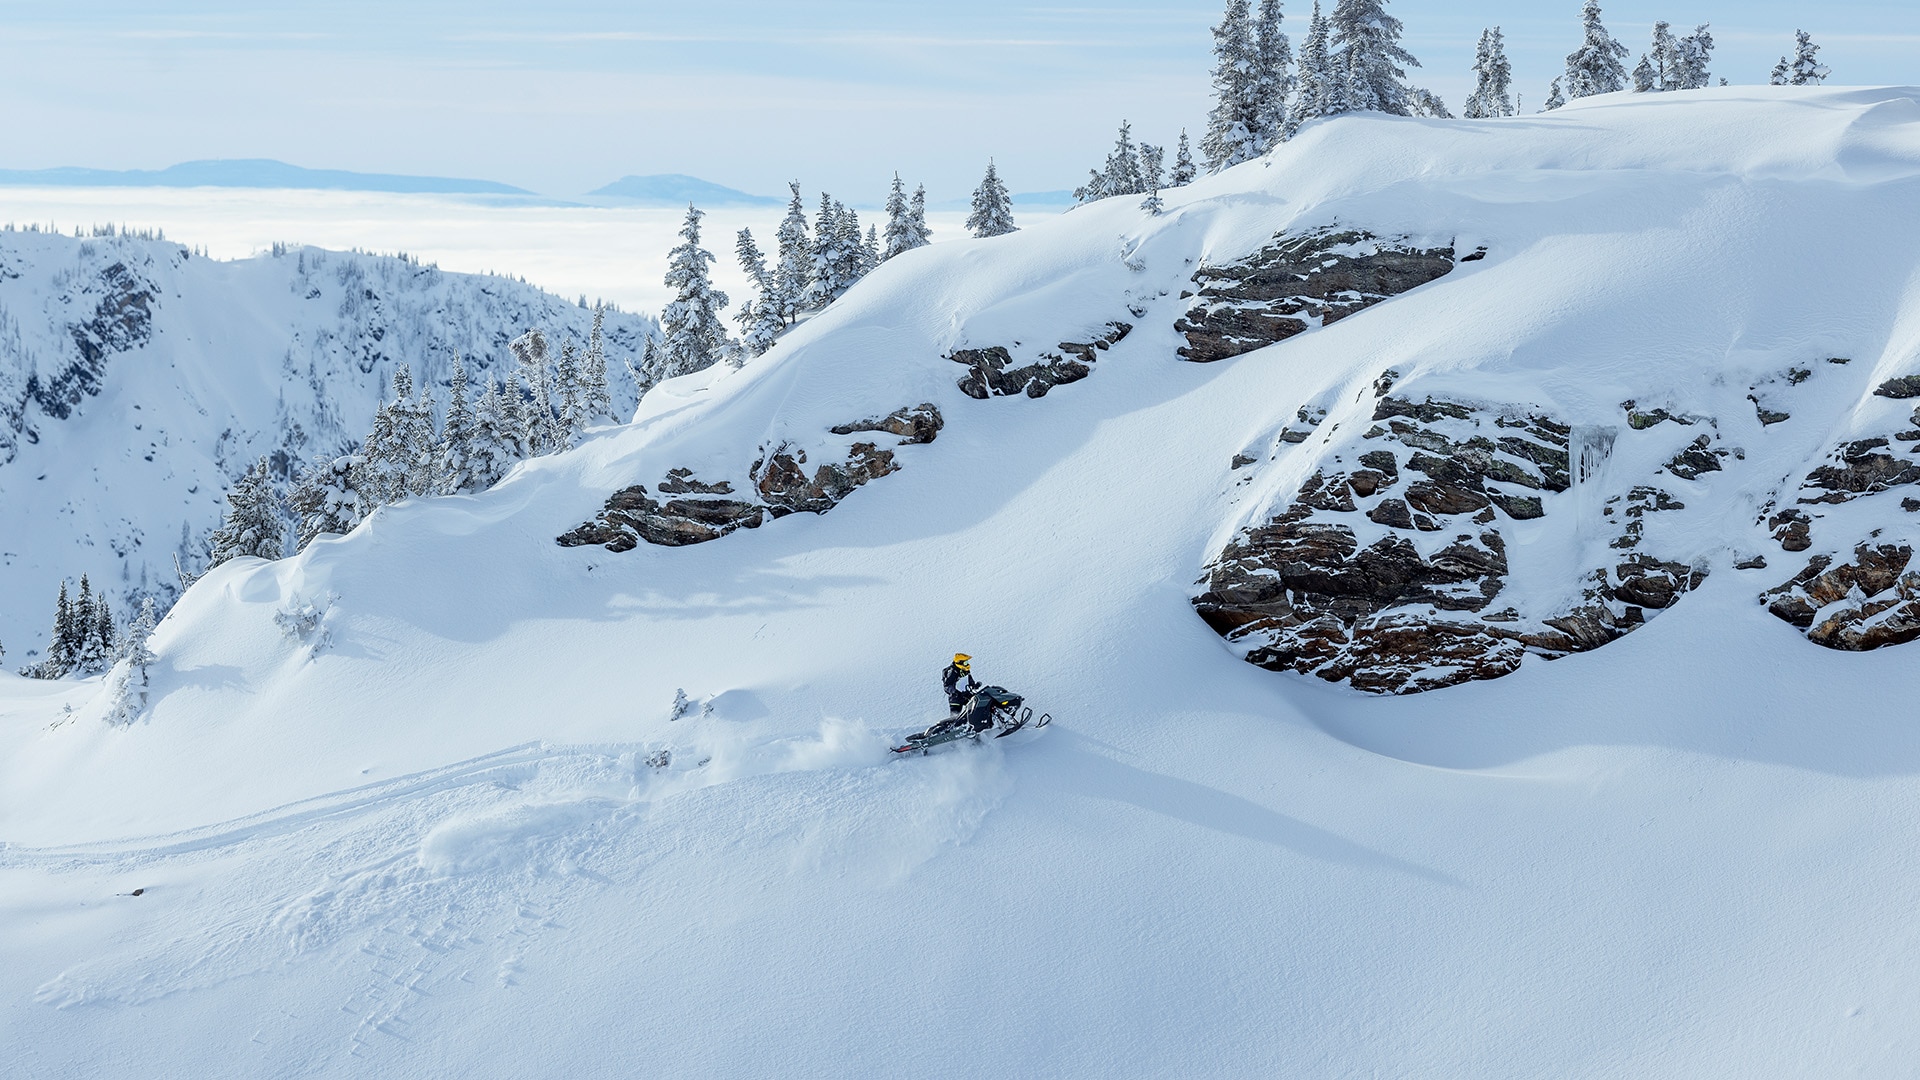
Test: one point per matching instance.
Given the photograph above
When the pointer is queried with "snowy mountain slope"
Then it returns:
(425, 836)
(137, 381)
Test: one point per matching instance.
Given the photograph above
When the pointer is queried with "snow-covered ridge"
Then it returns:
(136, 381)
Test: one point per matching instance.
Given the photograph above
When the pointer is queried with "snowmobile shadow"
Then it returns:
(1077, 771)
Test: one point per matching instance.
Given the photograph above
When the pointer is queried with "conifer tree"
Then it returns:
(324, 499)
(1368, 40)
(849, 246)
(1555, 98)
(827, 259)
(1662, 60)
(1150, 169)
(132, 679)
(456, 438)
(1424, 102)
(97, 655)
(1319, 87)
(793, 276)
(1597, 66)
(572, 404)
(252, 525)
(992, 207)
(1782, 73)
(1695, 55)
(84, 645)
(414, 465)
(595, 395)
(61, 647)
(917, 215)
(1183, 169)
(760, 319)
(870, 252)
(1493, 78)
(900, 235)
(1272, 80)
(1644, 77)
(694, 336)
(498, 440)
(1806, 71)
(1231, 126)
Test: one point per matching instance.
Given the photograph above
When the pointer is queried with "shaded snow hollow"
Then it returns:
(425, 837)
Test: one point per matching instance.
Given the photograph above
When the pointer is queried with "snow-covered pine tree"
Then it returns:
(1696, 55)
(1151, 167)
(1368, 39)
(1424, 102)
(793, 274)
(1782, 73)
(102, 642)
(498, 439)
(1319, 88)
(992, 206)
(760, 318)
(88, 651)
(252, 525)
(1662, 60)
(571, 403)
(1123, 173)
(899, 222)
(1093, 190)
(133, 681)
(373, 482)
(324, 500)
(827, 261)
(694, 336)
(595, 395)
(1645, 78)
(1231, 136)
(1807, 71)
(1555, 97)
(1183, 169)
(417, 444)
(1597, 66)
(851, 247)
(456, 437)
(1272, 76)
(917, 215)
(1493, 78)
(870, 252)
(61, 651)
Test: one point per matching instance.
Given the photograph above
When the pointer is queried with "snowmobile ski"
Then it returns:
(992, 708)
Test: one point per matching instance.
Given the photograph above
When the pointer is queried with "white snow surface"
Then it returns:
(424, 839)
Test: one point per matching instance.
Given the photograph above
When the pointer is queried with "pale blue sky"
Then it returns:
(566, 95)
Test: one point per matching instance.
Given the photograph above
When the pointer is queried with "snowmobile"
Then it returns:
(991, 708)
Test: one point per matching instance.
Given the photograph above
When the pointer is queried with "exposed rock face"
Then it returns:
(782, 485)
(919, 424)
(1871, 599)
(1411, 603)
(121, 320)
(1298, 282)
(994, 372)
(1866, 603)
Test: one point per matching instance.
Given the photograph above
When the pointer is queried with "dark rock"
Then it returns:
(785, 488)
(1696, 459)
(1382, 461)
(917, 424)
(1520, 507)
(1793, 529)
(993, 372)
(1868, 603)
(1768, 417)
(1444, 498)
(1864, 469)
(1757, 562)
(1241, 461)
(682, 482)
(1368, 482)
(1907, 386)
(1294, 282)
(1392, 513)
(1641, 421)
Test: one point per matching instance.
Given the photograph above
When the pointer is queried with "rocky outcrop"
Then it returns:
(993, 371)
(1299, 282)
(1867, 602)
(782, 483)
(1413, 600)
(119, 320)
(916, 425)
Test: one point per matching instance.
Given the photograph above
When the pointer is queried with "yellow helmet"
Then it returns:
(963, 661)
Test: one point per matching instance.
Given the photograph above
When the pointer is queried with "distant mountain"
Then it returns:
(676, 189)
(252, 173)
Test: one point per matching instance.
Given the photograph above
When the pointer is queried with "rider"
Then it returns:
(959, 683)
